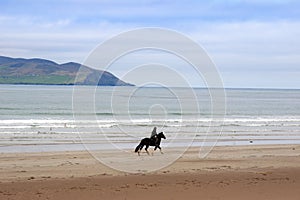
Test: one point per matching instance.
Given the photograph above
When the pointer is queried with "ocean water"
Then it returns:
(53, 118)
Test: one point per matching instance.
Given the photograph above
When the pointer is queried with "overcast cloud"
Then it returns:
(253, 43)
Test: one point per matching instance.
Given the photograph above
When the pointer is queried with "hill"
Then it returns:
(46, 72)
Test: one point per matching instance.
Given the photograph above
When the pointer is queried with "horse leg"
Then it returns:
(141, 147)
(139, 151)
(160, 149)
(154, 150)
(147, 146)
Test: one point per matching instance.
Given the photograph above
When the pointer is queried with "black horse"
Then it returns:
(150, 142)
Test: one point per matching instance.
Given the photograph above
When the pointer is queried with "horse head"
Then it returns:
(161, 135)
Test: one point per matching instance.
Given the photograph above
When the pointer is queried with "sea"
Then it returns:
(35, 118)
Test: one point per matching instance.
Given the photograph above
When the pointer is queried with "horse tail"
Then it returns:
(138, 147)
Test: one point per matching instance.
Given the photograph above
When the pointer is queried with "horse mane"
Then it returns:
(161, 134)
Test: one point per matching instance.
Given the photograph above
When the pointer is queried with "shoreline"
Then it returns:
(238, 156)
(128, 146)
(231, 172)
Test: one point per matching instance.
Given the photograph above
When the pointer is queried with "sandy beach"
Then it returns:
(241, 172)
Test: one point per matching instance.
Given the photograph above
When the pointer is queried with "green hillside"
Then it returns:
(46, 72)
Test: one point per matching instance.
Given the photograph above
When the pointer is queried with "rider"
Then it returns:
(154, 135)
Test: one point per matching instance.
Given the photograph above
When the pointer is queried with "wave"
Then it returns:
(171, 122)
(35, 121)
(104, 114)
(141, 120)
(10, 108)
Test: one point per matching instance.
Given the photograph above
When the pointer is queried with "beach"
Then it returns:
(228, 172)
(210, 88)
(49, 150)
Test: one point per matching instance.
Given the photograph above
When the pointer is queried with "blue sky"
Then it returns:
(253, 43)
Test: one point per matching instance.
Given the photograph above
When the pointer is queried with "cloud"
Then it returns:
(153, 11)
(241, 36)
(56, 39)
(58, 23)
(251, 44)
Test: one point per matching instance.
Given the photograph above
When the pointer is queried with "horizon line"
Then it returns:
(179, 87)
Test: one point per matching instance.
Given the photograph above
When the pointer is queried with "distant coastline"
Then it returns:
(131, 85)
(36, 71)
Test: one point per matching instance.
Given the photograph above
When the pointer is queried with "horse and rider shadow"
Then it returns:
(154, 140)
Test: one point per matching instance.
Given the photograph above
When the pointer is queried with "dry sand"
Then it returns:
(245, 172)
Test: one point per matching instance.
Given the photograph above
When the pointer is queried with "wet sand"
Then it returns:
(244, 172)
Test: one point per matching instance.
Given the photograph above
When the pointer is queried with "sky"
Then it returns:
(253, 43)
